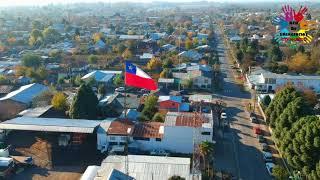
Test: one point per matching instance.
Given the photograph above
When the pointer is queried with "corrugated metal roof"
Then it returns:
(148, 130)
(101, 76)
(187, 119)
(147, 167)
(35, 112)
(200, 97)
(177, 99)
(165, 80)
(50, 124)
(26, 93)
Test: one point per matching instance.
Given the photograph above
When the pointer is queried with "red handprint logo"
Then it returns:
(300, 15)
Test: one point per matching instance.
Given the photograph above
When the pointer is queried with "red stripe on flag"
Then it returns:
(140, 82)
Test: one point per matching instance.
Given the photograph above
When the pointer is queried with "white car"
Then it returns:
(267, 157)
(119, 89)
(223, 115)
(269, 167)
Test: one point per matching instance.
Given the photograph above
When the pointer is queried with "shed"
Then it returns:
(51, 125)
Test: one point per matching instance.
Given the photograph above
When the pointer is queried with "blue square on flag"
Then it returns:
(130, 68)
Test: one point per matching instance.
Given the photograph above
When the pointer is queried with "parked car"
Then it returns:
(223, 115)
(264, 147)
(120, 89)
(269, 167)
(261, 139)
(182, 92)
(159, 152)
(267, 156)
(253, 118)
(257, 130)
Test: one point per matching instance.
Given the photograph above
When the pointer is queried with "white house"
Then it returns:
(265, 81)
(178, 133)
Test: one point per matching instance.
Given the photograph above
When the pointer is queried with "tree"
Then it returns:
(266, 100)
(31, 60)
(50, 35)
(280, 173)
(42, 73)
(279, 103)
(239, 55)
(154, 64)
(167, 63)
(170, 28)
(204, 41)
(310, 96)
(84, 105)
(188, 83)
(195, 42)
(35, 38)
(3, 80)
(165, 73)
(118, 81)
(296, 109)
(206, 150)
(188, 44)
(175, 177)
(301, 146)
(127, 54)
(149, 108)
(274, 53)
(93, 59)
(301, 63)
(59, 101)
(158, 117)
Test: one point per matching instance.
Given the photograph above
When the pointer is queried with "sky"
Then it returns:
(45, 2)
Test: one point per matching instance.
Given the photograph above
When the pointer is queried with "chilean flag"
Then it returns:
(137, 78)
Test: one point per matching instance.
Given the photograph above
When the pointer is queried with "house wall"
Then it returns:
(168, 105)
(9, 109)
(299, 83)
(149, 145)
(178, 139)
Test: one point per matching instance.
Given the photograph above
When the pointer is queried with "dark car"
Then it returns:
(183, 92)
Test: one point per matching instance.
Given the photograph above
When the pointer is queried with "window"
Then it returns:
(158, 139)
(141, 138)
(206, 81)
(113, 143)
(123, 138)
(122, 143)
(205, 133)
(112, 138)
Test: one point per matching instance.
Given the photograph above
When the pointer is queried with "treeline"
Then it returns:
(296, 130)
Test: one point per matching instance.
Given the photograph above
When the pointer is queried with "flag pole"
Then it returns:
(125, 92)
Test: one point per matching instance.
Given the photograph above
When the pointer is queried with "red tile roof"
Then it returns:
(148, 130)
(191, 119)
(120, 127)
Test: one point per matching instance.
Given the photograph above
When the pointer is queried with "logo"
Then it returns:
(293, 28)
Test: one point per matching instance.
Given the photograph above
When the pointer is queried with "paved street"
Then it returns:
(237, 149)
